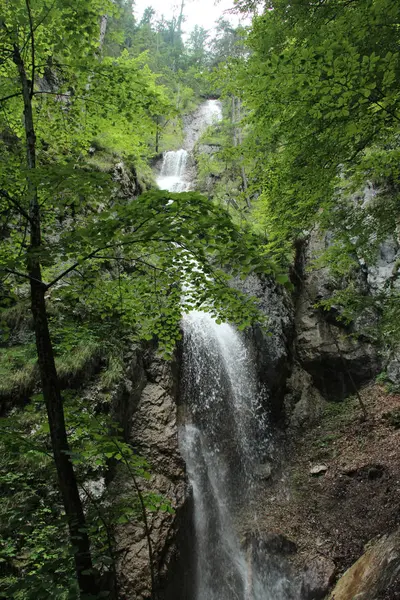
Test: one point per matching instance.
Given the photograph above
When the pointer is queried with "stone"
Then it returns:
(375, 574)
(271, 349)
(380, 273)
(318, 470)
(263, 471)
(304, 404)
(270, 543)
(317, 578)
(146, 408)
(393, 371)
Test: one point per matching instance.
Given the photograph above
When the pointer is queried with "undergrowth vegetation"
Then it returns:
(35, 558)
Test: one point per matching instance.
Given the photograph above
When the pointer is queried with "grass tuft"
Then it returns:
(72, 364)
(113, 373)
(18, 370)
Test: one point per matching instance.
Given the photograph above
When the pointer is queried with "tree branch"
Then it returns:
(10, 96)
(24, 275)
(61, 95)
(130, 261)
(15, 202)
(144, 516)
(75, 266)
(39, 23)
(95, 252)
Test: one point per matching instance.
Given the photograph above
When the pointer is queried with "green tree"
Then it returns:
(27, 46)
(322, 86)
(227, 43)
(62, 222)
(196, 47)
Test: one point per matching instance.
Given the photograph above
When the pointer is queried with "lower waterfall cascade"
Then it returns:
(224, 437)
(224, 441)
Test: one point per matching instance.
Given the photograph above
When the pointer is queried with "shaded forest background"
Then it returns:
(90, 98)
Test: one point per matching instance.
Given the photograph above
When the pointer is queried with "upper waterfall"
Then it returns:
(173, 171)
(175, 174)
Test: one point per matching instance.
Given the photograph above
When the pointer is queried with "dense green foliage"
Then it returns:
(319, 85)
(36, 560)
(88, 97)
(322, 84)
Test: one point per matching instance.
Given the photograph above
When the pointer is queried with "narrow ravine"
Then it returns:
(224, 436)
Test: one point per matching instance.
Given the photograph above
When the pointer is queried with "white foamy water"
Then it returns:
(175, 175)
(173, 172)
(223, 444)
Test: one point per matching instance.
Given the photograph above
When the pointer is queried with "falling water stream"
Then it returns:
(223, 437)
(173, 171)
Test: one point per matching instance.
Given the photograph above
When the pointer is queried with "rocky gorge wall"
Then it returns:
(302, 356)
(307, 366)
(331, 484)
(145, 404)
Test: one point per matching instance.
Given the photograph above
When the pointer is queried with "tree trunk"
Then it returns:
(103, 31)
(237, 141)
(180, 18)
(157, 133)
(233, 117)
(50, 383)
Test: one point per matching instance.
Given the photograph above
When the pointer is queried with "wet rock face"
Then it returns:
(379, 274)
(376, 575)
(127, 180)
(195, 123)
(147, 411)
(324, 346)
(393, 372)
(272, 349)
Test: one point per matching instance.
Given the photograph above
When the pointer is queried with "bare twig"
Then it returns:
(10, 96)
(16, 203)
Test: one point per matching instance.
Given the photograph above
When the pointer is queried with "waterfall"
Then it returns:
(175, 175)
(216, 443)
(173, 172)
(223, 441)
(223, 437)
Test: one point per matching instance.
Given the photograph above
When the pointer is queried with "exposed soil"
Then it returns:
(357, 497)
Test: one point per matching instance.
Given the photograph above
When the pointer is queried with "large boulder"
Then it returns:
(304, 404)
(393, 372)
(386, 265)
(376, 575)
(317, 578)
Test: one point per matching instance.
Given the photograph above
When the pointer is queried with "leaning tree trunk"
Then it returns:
(48, 373)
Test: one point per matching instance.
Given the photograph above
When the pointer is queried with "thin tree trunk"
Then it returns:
(103, 31)
(50, 383)
(233, 117)
(237, 141)
(157, 133)
(180, 18)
